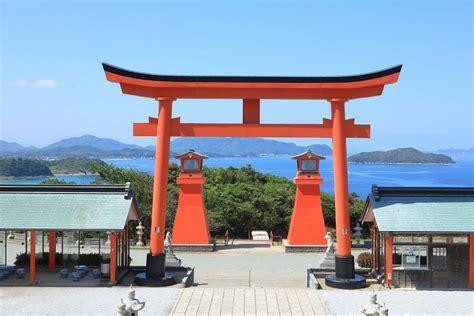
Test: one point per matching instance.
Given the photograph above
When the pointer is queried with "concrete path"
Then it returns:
(74, 301)
(251, 269)
(402, 302)
(241, 301)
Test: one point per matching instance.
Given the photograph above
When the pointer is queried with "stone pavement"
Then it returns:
(79, 301)
(248, 301)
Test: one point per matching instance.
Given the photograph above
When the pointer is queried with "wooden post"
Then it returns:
(52, 250)
(32, 257)
(160, 183)
(471, 260)
(341, 190)
(251, 111)
(113, 257)
(388, 259)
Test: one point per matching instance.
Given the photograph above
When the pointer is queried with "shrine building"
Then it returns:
(54, 227)
(422, 237)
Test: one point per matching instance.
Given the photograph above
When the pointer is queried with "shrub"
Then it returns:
(89, 259)
(364, 260)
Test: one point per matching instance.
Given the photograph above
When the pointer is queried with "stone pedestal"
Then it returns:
(328, 262)
(172, 261)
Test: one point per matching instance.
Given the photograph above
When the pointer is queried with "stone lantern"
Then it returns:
(358, 233)
(140, 233)
(307, 222)
(190, 225)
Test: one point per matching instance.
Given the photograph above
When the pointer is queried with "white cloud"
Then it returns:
(20, 83)
(44, 83)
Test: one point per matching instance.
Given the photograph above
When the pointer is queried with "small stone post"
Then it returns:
(133, 305)
(121, 309)
(140, 233)
(372, 308)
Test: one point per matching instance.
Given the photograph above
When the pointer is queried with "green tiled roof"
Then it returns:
(65, 210)
(423, 212)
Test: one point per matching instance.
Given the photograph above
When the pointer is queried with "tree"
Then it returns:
(56, 181)
(238, 200)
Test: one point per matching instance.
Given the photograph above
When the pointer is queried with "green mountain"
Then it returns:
(105, 144)
(400, 156)
(18, 167)
(10, 146)
(89, 146)
(243, 147)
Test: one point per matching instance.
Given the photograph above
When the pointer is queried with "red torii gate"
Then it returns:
(337, 90)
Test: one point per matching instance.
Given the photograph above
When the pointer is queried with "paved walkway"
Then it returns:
(245, 301)
(81, 301)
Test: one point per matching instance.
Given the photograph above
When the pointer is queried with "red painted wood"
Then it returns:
(113, 257)
(160, 182)
(388, 259)
(341, 189)
(253, 130)
(32, 256)
(251, 111)
(52, 250)
(471, 260)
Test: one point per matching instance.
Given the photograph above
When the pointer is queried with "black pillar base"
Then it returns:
(155, 274)
(345, 277)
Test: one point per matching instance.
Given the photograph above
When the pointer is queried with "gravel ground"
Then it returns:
(82, 301)
(401, 302)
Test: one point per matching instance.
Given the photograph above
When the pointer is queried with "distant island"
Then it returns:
(89, 146)
(400, 156)
(19, 167)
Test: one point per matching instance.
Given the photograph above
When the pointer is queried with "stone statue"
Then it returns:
(140, 233)
(328, 261)
(171, 259)
(167, 243)
(331, 244)
(107, 243)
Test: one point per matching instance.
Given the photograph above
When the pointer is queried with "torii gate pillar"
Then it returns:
(345, 276)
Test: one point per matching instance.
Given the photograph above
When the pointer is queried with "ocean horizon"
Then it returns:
(361, 176)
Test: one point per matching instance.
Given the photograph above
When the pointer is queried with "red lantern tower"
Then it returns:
(190, 224)
(307, 227)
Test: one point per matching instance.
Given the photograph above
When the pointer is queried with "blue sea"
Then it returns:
(361, 177)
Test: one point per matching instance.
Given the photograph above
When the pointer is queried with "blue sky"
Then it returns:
(53, 86)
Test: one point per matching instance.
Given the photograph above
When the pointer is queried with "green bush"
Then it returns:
(23, 259)
(89, 259)
(364, 260)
